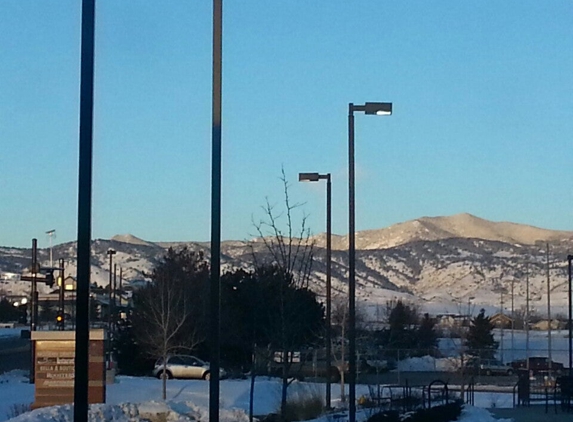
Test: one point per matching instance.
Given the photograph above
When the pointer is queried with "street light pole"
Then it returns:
(214, 292)
(111, 253)
(368, 108)
(51, 234)
(569, 259)
(315, 177)
(84, 211)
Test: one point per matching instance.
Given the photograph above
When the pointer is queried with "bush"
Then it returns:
(303, 405)
(444, 413)
(387, 416)
(18, 409)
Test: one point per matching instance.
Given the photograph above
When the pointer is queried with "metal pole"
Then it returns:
(502, 324)
(216, 211)
(61, 294)
(84, 211)
(527, 316)
(114, 297)
(35, 268)
(512, 319)
(569, 259)
(351, 271)
(120, 287)
(110, 305)
(328, 287)
(33, 298)
(549, 345)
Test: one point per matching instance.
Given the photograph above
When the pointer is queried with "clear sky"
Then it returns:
(482, 123)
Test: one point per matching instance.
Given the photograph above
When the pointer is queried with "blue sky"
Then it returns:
(482, 123)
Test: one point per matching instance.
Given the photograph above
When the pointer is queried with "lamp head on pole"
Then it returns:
(312, 177)
(379, 109)
(111, 252)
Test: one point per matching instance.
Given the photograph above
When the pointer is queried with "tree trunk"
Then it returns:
(252, 392)
(164, 377)
(284, 383)
(164, 380)
(342, 392)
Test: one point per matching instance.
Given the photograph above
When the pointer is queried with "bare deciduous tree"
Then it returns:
(339, 320)
(290, 250)
(166, 317)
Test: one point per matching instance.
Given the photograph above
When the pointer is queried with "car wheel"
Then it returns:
(168, 375)
(207, 376)
(510, 372)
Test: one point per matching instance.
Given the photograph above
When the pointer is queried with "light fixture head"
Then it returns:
(111, 252)
(308, 177)
(379, 109)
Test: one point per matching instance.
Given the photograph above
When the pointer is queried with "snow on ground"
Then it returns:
(131, 398)
(136, 398)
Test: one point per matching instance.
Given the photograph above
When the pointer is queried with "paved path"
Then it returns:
(533, 414)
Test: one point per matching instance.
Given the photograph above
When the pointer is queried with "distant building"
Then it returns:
(452, 321)
(500, 320)
(543, 325)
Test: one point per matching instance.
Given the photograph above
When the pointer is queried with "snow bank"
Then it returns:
(131, 412)
(475, 414)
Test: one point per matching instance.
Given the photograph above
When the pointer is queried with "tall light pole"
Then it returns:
(381, 109)
(51, 234)
(84, 211)
(315, 177)
(111, 253)
(214, 292)
(502, 323)
(570, 305)
(512, 317)
(527, 316)
(549, 328)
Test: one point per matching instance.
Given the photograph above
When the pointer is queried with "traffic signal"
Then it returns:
(50, 278)
(60, 319)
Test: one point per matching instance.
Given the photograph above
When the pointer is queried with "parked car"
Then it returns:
(184, 366)
(538, 365)
(488, 367)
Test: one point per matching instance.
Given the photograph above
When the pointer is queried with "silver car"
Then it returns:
(184, 366)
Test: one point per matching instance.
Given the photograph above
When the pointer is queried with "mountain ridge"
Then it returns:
(428, 259)
(462, 225)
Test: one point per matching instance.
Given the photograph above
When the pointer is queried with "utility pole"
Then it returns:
(548, 310)
(61, 293)
(111, 253)
(570, 322)
(527, 315)
(120, 286)
(501, 326)
(114, 316)
(34, 307)
(512, 318)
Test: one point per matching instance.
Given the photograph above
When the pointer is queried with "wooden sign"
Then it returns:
(54, 364)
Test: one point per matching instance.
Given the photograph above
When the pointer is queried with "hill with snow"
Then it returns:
(441, 262)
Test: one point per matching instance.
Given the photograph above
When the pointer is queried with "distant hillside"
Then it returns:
(453, 259)
(456, 226)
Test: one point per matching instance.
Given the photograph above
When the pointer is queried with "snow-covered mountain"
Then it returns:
(441, 262)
